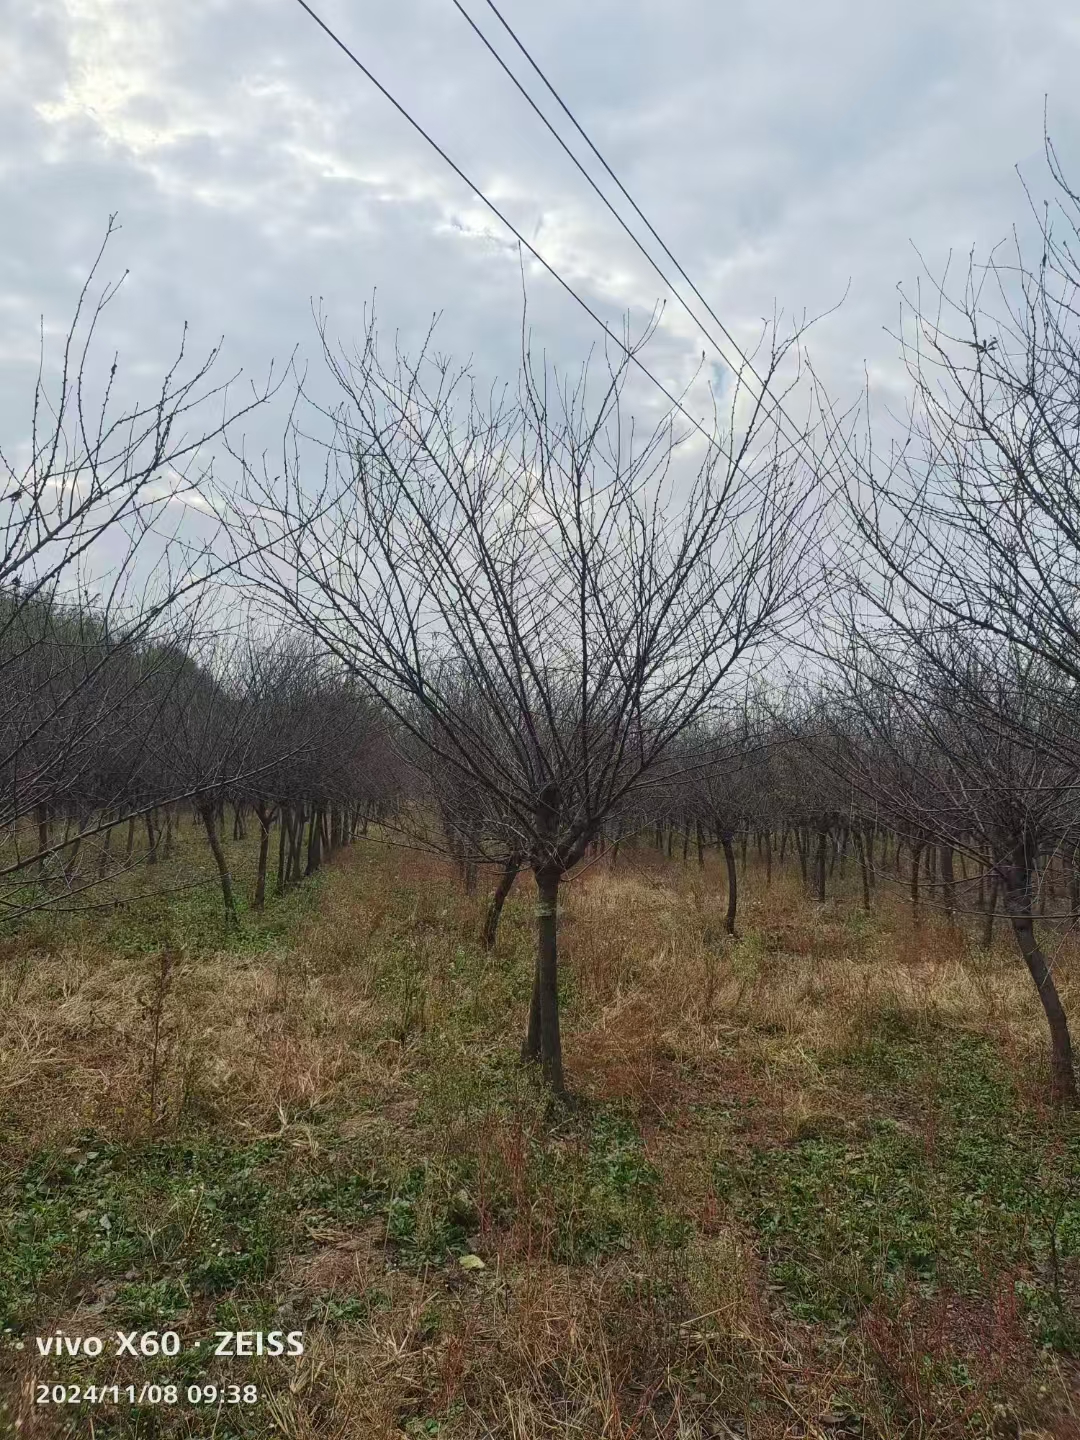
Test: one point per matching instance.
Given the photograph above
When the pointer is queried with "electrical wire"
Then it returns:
(505, 220)
(746, 362)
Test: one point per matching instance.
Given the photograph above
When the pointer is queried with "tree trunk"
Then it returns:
(281, 850)
(209, 819)
(314, 849)
(732, 882)
(296, 843)
(151, 839)
(543, 1040)
(41, 814)
(266, 819)
(547, 977)
(864, 869)
(1018, 905)
(768, 858)
(502, 890)
(700, 846)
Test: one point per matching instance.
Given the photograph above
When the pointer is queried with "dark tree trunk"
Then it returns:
(167, 852)
(498, 900)
(266, 819)
(864, 869)
(700, 845)
(283, 831)
(151, 839)
(547, 972)
(732, 882)
(209, 819)
(1018, 905)
(768, 858)
(296, 843)
(314, 853)
(685, 841)
(543, 1040)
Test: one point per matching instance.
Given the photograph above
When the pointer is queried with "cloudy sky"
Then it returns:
(786, 150)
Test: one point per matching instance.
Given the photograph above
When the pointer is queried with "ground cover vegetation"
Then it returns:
(437, 915)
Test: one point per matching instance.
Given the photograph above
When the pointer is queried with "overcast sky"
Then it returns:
(783, 148)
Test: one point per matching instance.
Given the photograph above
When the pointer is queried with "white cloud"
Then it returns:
(784, 149)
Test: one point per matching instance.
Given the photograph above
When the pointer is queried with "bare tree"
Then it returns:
(524, 588)
(962, 742)
(88, 489)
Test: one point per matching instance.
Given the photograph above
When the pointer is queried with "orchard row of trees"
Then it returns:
(523, 628)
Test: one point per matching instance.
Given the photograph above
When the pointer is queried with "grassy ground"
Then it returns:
(811, 1188)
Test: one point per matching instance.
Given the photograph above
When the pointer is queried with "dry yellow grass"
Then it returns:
(375, 1023)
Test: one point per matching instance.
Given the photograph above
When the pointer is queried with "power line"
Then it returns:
(747, 363)
(476, 189)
